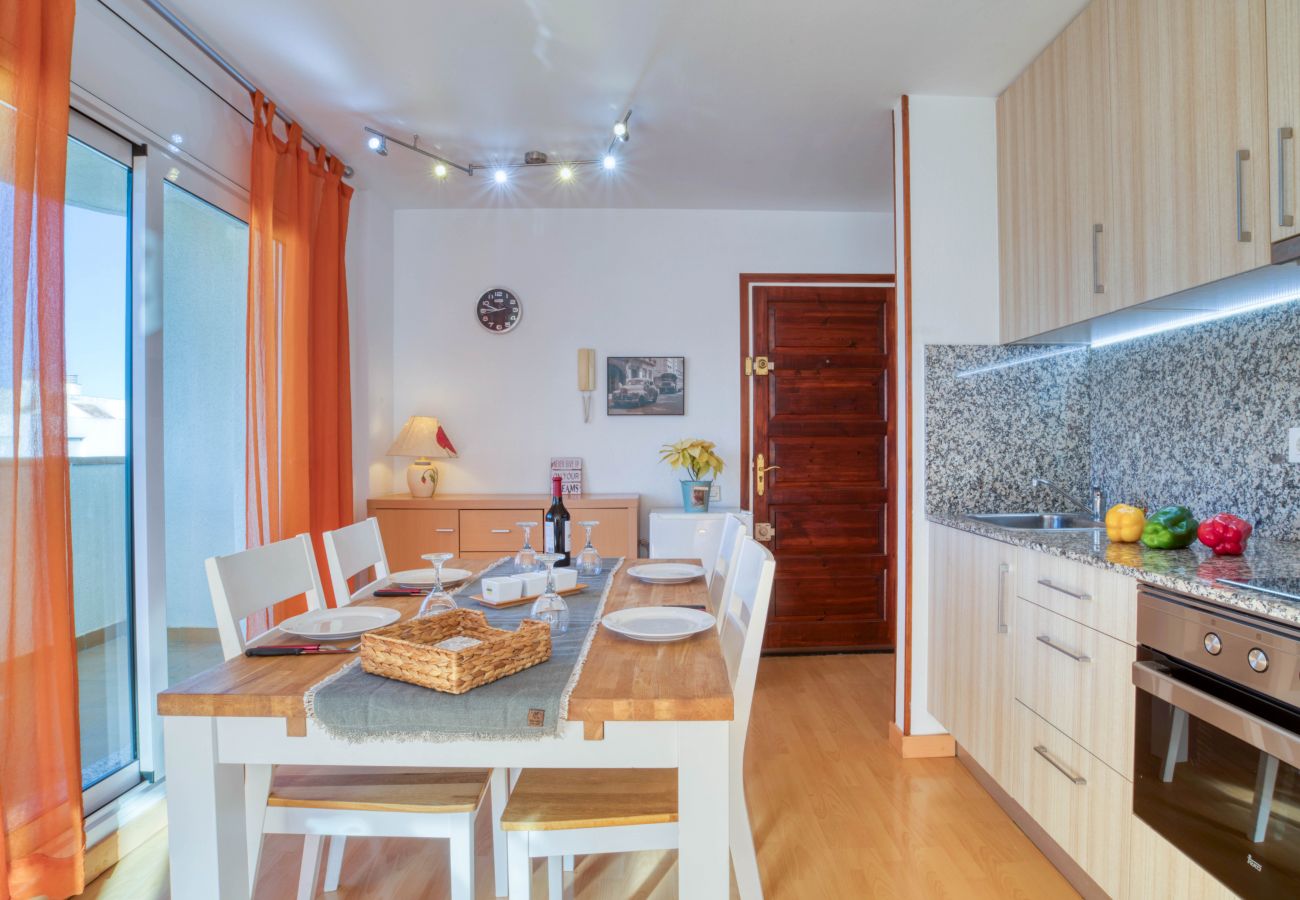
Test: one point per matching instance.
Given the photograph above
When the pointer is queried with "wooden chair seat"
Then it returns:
(561, 799)
(379, 789)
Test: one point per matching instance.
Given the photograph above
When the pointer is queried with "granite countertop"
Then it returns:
(1193, 571)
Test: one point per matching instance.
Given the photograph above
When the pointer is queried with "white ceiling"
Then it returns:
(738, 104)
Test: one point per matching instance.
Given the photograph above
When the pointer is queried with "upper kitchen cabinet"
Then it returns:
(1189, 100)
(1284, 114)
(1054, 177)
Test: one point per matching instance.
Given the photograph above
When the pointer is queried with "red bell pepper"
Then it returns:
(1225, 534)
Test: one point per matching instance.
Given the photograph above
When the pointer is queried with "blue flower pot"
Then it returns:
(695, 496)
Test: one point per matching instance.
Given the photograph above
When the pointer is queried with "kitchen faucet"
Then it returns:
(1094, 508)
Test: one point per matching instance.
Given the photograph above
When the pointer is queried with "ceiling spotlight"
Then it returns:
(378, 144)
(620, 130)
(500, 175)
(440, 171)
(566, 174)
(173, 173)
(609, 162)
(178, 139)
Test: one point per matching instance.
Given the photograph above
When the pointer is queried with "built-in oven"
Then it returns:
(1216, 757)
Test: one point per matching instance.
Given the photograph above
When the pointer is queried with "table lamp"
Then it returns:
(422, 437)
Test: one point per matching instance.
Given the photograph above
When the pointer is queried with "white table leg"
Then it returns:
(703, 778)
(521, 866)
(257, 788)
(207, 841)
(500, 789)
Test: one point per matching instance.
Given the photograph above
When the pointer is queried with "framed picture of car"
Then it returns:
(645, 385)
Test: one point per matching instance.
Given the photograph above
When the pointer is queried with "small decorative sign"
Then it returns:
(569, 468)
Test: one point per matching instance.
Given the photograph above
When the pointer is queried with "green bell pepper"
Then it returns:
(1170, 528)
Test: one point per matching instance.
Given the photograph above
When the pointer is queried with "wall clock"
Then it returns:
(499, 310)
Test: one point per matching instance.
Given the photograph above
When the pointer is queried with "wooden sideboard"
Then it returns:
(482, 526)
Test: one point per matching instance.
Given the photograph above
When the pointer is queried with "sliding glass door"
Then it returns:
(97, 263)
(156, 276)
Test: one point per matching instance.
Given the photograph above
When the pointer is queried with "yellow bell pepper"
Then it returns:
(1124, 523)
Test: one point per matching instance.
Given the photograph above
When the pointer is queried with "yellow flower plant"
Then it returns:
(693, 455)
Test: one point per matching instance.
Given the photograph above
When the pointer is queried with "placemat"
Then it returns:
(356, 706)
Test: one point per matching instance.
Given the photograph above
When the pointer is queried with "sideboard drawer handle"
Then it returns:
(500, 530)
(445, 530)
(1045, 582)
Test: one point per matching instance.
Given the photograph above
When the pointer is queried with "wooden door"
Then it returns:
(1283, 18)
(822, 417)
(1189, 101)
(1054, 201)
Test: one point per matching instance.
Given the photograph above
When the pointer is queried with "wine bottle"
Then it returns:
(557, 526)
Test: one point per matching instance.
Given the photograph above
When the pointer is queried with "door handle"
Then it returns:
(1284, 218)
(760, 474)
(1097, 286)
(1003, 570)
(1243, 236)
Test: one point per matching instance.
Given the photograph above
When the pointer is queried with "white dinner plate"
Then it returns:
(339, 624)
(658, 623)
(666, 573)
(420, 577)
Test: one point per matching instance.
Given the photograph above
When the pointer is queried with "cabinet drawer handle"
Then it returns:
(500, 530)
(1243, 236)
(1042, 751)
(445, 530)
(1097, 286)
(1044, 639)
(1284, 218)
(1003, 569)
(1047, 583)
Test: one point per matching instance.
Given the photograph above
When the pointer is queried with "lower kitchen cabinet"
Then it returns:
(1083, 804)
(1156, 868)
(972, 650)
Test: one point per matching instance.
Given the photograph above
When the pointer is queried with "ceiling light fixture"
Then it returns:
(533, 159)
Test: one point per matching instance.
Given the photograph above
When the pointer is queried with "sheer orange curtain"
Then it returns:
(299, 465)
(41, 839)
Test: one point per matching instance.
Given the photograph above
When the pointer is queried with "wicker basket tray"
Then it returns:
(406, 651)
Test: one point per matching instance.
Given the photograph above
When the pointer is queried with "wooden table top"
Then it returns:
(622, 680)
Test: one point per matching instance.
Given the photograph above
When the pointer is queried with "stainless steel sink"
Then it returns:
(1039, 521)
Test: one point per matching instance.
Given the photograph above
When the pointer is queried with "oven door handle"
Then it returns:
(1246, 726)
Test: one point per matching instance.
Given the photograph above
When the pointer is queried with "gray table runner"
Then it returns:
(356, 706)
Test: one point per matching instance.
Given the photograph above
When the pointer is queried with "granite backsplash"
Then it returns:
(1196, 416)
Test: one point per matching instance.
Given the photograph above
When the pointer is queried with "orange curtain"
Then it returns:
(41, 838)
(299, 465)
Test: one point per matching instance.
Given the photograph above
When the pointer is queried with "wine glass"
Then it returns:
(550, 606)
(526, 558)
(438, 600)
(588, 562)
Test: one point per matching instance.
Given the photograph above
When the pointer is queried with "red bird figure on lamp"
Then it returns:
(445, 442)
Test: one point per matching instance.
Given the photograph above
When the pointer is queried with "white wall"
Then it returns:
(626, 282)
(954, 225)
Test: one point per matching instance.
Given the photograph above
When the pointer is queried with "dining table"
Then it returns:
(635, 705)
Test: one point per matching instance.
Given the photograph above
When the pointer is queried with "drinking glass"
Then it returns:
(438, 600)
(588, 563)
(550, 606)
(526, 558)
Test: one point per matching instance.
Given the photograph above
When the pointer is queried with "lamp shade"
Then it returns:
(422, 436)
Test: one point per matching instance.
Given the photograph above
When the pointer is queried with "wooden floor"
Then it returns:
(835, 811)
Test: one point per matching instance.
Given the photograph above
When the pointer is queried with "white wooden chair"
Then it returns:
(558, 812)
(316, 801)
(718, 574)
(353, 549)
